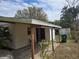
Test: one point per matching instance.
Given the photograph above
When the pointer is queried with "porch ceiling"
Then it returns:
(27, 21)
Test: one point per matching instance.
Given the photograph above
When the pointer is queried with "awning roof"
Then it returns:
(29, 21)
(38, 22)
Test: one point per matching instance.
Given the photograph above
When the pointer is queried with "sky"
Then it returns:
(53, 8)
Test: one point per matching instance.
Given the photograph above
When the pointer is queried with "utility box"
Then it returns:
(64, 38)
(65, 34)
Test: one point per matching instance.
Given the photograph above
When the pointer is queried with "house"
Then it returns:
(28, 31)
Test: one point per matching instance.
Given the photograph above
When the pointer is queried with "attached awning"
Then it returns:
(38, 22)
(28, 21)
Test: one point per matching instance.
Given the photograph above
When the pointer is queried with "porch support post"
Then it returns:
(51, 38)
(54, 39)
(50, 33)
(33, 41)
(59, 36)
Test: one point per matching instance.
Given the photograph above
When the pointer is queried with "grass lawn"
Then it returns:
(67, 50)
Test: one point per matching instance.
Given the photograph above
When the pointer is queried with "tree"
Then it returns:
(69, 17)
(70, 13)
(72, 3)
(32, 13)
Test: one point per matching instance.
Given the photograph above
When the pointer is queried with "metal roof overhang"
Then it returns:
(28, 21)
(38, 22)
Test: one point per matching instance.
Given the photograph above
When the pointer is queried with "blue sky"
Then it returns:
(53, 8)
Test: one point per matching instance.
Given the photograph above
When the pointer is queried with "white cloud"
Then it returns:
(8, 8)
(54, 8)
(19, 0)
(51, 7)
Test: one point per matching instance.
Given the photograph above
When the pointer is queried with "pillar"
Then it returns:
(33, 41)
(51, 38)
(50, 30)
(54, 35)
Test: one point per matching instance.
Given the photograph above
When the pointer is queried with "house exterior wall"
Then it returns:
(47, 33)
(50, 34)
(21, 35)
(12, 35)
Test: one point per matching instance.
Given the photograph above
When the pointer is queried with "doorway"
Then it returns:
(40, 34)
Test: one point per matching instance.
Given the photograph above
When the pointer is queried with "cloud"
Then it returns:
(54, 8)
(19, 0)
(9, 8)
(51, 7)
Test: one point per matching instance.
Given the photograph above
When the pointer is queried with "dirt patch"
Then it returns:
(67, 51)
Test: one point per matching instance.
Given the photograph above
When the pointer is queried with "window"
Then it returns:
(29, 31)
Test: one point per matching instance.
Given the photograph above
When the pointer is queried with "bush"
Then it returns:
(44, 45)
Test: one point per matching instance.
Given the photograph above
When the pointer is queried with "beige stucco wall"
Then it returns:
(47, 33)
(12, 34)
(21, 35)
(50, 34)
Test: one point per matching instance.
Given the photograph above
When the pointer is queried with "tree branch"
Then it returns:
(68, 3)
